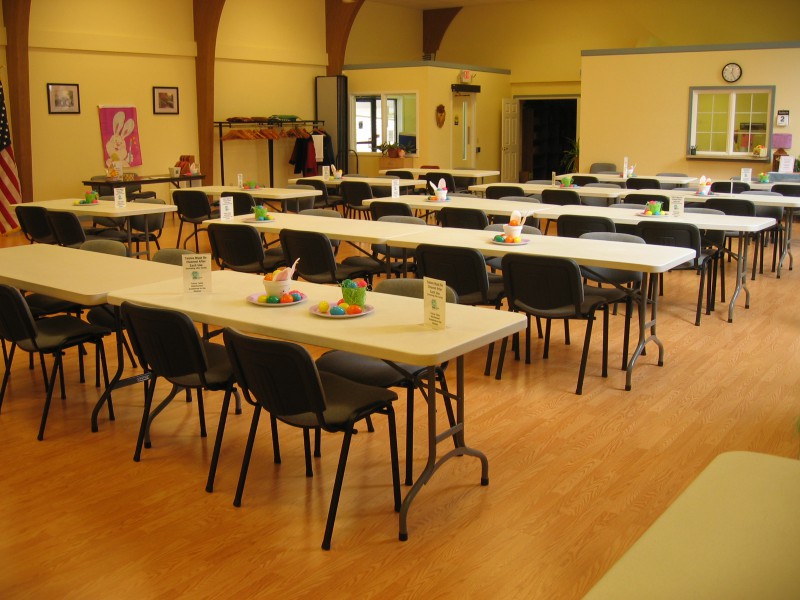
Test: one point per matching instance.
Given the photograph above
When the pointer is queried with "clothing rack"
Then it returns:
(267, 128)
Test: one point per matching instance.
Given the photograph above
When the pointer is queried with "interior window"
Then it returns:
(371, 129)
(730, 121)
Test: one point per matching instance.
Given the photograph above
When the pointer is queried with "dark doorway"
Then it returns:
(548, 129)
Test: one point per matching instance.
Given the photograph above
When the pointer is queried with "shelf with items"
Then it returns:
(262, 128)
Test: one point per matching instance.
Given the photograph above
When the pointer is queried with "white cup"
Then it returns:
(441, 195)
(174, 171)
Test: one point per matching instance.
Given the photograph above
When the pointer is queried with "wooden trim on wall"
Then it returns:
(434, 25)
(339, 18)
(16, 14)
(207, 14)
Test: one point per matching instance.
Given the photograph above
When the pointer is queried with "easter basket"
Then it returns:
(352, 293)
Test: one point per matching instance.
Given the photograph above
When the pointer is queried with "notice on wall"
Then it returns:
(196, 273)
(434, 299)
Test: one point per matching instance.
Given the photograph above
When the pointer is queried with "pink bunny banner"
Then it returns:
(119, 131)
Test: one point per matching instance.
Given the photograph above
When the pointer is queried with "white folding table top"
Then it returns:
(476, 173)
(616, 178)
(598, 253)
(629, 216)
(351, 230)
(76, 275)
(731, 534)
(538, 188)
(372, 181)
(104, 208)
(270, 193)
(393, 331)
(691, 196)
(490, 207)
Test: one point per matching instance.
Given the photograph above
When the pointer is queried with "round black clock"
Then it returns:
(731, 72)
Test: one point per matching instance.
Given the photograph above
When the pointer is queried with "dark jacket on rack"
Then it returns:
(304, 158)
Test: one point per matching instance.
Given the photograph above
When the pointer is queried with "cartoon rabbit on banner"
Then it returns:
(119, 131)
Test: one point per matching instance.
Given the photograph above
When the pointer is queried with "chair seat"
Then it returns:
(55, 332)
(345, 400)
(367, 370)
(566, 311)
(42, 305)
(218, 375)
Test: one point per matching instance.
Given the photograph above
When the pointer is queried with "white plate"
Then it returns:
(522, 243)
(641, 214)
(254, 220)
(253, 299)
(315, 311)
(433, 199)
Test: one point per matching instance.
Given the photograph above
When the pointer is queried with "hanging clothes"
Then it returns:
(303, 157)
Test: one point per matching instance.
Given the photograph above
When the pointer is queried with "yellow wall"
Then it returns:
(432, 86)
(72, 42)
(648, 122)
(384, 33)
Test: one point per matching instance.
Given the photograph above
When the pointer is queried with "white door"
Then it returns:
(509, 141)
(463, 131)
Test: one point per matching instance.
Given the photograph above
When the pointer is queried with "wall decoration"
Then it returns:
(165, 101)
(63, 98)
(119, 132)
(440, 116)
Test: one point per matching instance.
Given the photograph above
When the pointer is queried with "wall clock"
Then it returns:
(731, 72)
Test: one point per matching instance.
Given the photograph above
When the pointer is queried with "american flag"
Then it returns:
(9, 180)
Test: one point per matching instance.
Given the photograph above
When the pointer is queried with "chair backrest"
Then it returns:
(645, 198)
(317, 184)
(411, 220)
(105, 247)
(235, 246)
(772, 212)
(787, 189)
(191, 204)
(584, 179)
(355, 192)
(604, 184)
(66, 228)
(540, 181)
(165, 340)
(171, 256)
(613, 275)
(463, 269)
(642, 183)
(435, 177)
(465, 218)
(501, 191)
(576, 225)
(243, 203)
(295, 205)
(16, 320)
(733, 206)
(322, 212)
(34, 224)
(280, 376)
(663, 233)
(155, 222)
(411, 288)
(542, 282)
(560, 197)
(314, 251)
(385, 209)
(730, 187)
(400, 173)
(526, 229)
(602, 168)
(670, 186)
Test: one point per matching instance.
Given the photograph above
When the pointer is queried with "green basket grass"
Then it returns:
(356, 296)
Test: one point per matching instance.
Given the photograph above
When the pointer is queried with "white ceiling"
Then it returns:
(428, 4)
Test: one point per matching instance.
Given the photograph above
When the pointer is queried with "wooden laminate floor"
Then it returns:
(574, 480)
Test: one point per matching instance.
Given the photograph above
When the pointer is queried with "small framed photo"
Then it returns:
(63, 98)
(165, 101)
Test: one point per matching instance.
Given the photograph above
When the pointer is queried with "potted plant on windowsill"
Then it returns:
(392, 150)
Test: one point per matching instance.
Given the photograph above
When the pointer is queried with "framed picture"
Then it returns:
(63, 98)
(165, 101)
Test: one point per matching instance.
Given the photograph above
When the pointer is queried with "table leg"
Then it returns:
(787, 241)
(648, 280)
(434, 438)
(741, 277)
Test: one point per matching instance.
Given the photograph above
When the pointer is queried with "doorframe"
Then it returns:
(577, 97)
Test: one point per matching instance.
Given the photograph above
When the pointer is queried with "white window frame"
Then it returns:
(384, 102)
(731, 92)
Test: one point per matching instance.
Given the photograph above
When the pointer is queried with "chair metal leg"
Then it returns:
(201, 411)
(57, 367)
(337, 487)
(248, 452)
(585, 354)
(409, 434)
(148, 401)
(307, 451)
(223, 416)
(7, 359)
(394, 457)
(276, 446)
